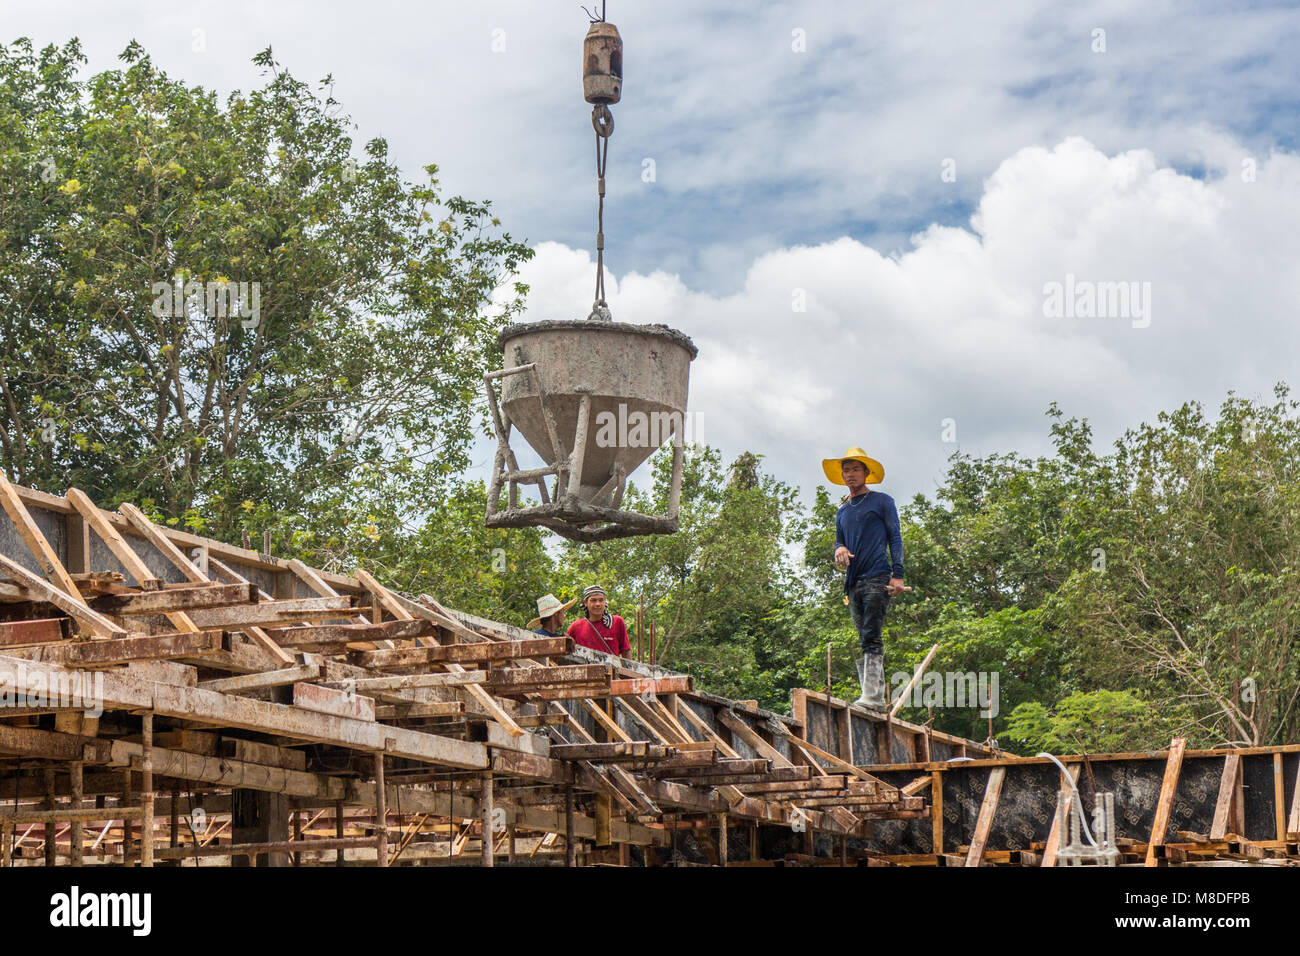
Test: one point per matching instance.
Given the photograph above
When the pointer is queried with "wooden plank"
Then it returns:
(616, 750)
(1168, 787)
(175, 599)
(67, 603)
(988, 808)
(636, 686)
(482, 652)
(42, 631)
(147, 647)
(326, 635)
(240, 616)
(279, 678)
(1064, 794)
(143, 648)
(326, 700)
(41, 550)
(1293, 821)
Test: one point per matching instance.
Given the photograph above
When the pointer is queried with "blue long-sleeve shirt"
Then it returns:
(866, 525)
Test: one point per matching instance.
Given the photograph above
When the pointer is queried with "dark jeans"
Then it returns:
(868, 601)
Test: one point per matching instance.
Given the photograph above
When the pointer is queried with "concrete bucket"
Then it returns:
(594, 400)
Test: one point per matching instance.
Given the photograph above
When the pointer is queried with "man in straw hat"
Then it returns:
(865, 526)
(598, 629)
(550, 616)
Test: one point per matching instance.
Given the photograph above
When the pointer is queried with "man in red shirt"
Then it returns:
(599, 630)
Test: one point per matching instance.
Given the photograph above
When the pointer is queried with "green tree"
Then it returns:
(348, 344)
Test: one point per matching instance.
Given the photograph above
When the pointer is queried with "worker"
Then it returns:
(550, 616)
(865, 526)
(598, 629)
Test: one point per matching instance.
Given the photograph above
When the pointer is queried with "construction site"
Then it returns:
(171, 700)
(291, 444)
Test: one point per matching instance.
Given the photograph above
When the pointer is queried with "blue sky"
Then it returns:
(779, 168)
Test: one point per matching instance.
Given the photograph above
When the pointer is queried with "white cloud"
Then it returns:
(954, 328)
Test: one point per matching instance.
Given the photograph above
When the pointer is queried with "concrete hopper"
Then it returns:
(594, 400)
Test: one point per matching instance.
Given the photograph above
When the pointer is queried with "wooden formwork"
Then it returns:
(171, 699)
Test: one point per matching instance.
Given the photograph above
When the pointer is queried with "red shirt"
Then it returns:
(593, 634)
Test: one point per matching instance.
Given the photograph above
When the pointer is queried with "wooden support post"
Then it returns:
(992, 791)
(1293, 820)
(1227, 796)
(340, 853)
(936, 811)
(722, 839)
(570, 851)
(146, 791)
(510, 843)
(916, 676)
(487, 808)
(1064, 794)
(297, 834)
(175, 821)
(604, 813)
(1279, 799)
(1168, 787)
(78, 828)
(381, 813)
(126, 823)
(51, 803)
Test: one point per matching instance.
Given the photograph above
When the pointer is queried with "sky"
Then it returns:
(909, 227)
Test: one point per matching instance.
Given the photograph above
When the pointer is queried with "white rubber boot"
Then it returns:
(871, 675)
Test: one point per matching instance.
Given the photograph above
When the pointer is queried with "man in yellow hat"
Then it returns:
(867, 537)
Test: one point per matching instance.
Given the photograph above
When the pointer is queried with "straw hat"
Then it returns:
(875, 470)
(547, 605)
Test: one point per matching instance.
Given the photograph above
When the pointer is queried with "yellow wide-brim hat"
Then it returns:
(548, 605)
(875, 470)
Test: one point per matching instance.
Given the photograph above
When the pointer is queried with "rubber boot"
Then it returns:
(871, 675)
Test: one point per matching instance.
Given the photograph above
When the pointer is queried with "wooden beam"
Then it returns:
(247, 682)
(195, 574)
(43, 631)
(41, 550)
(479, 653)
(1168, 787)
(988, 808)
(399, 611)
(67, 603)
(175, 599)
